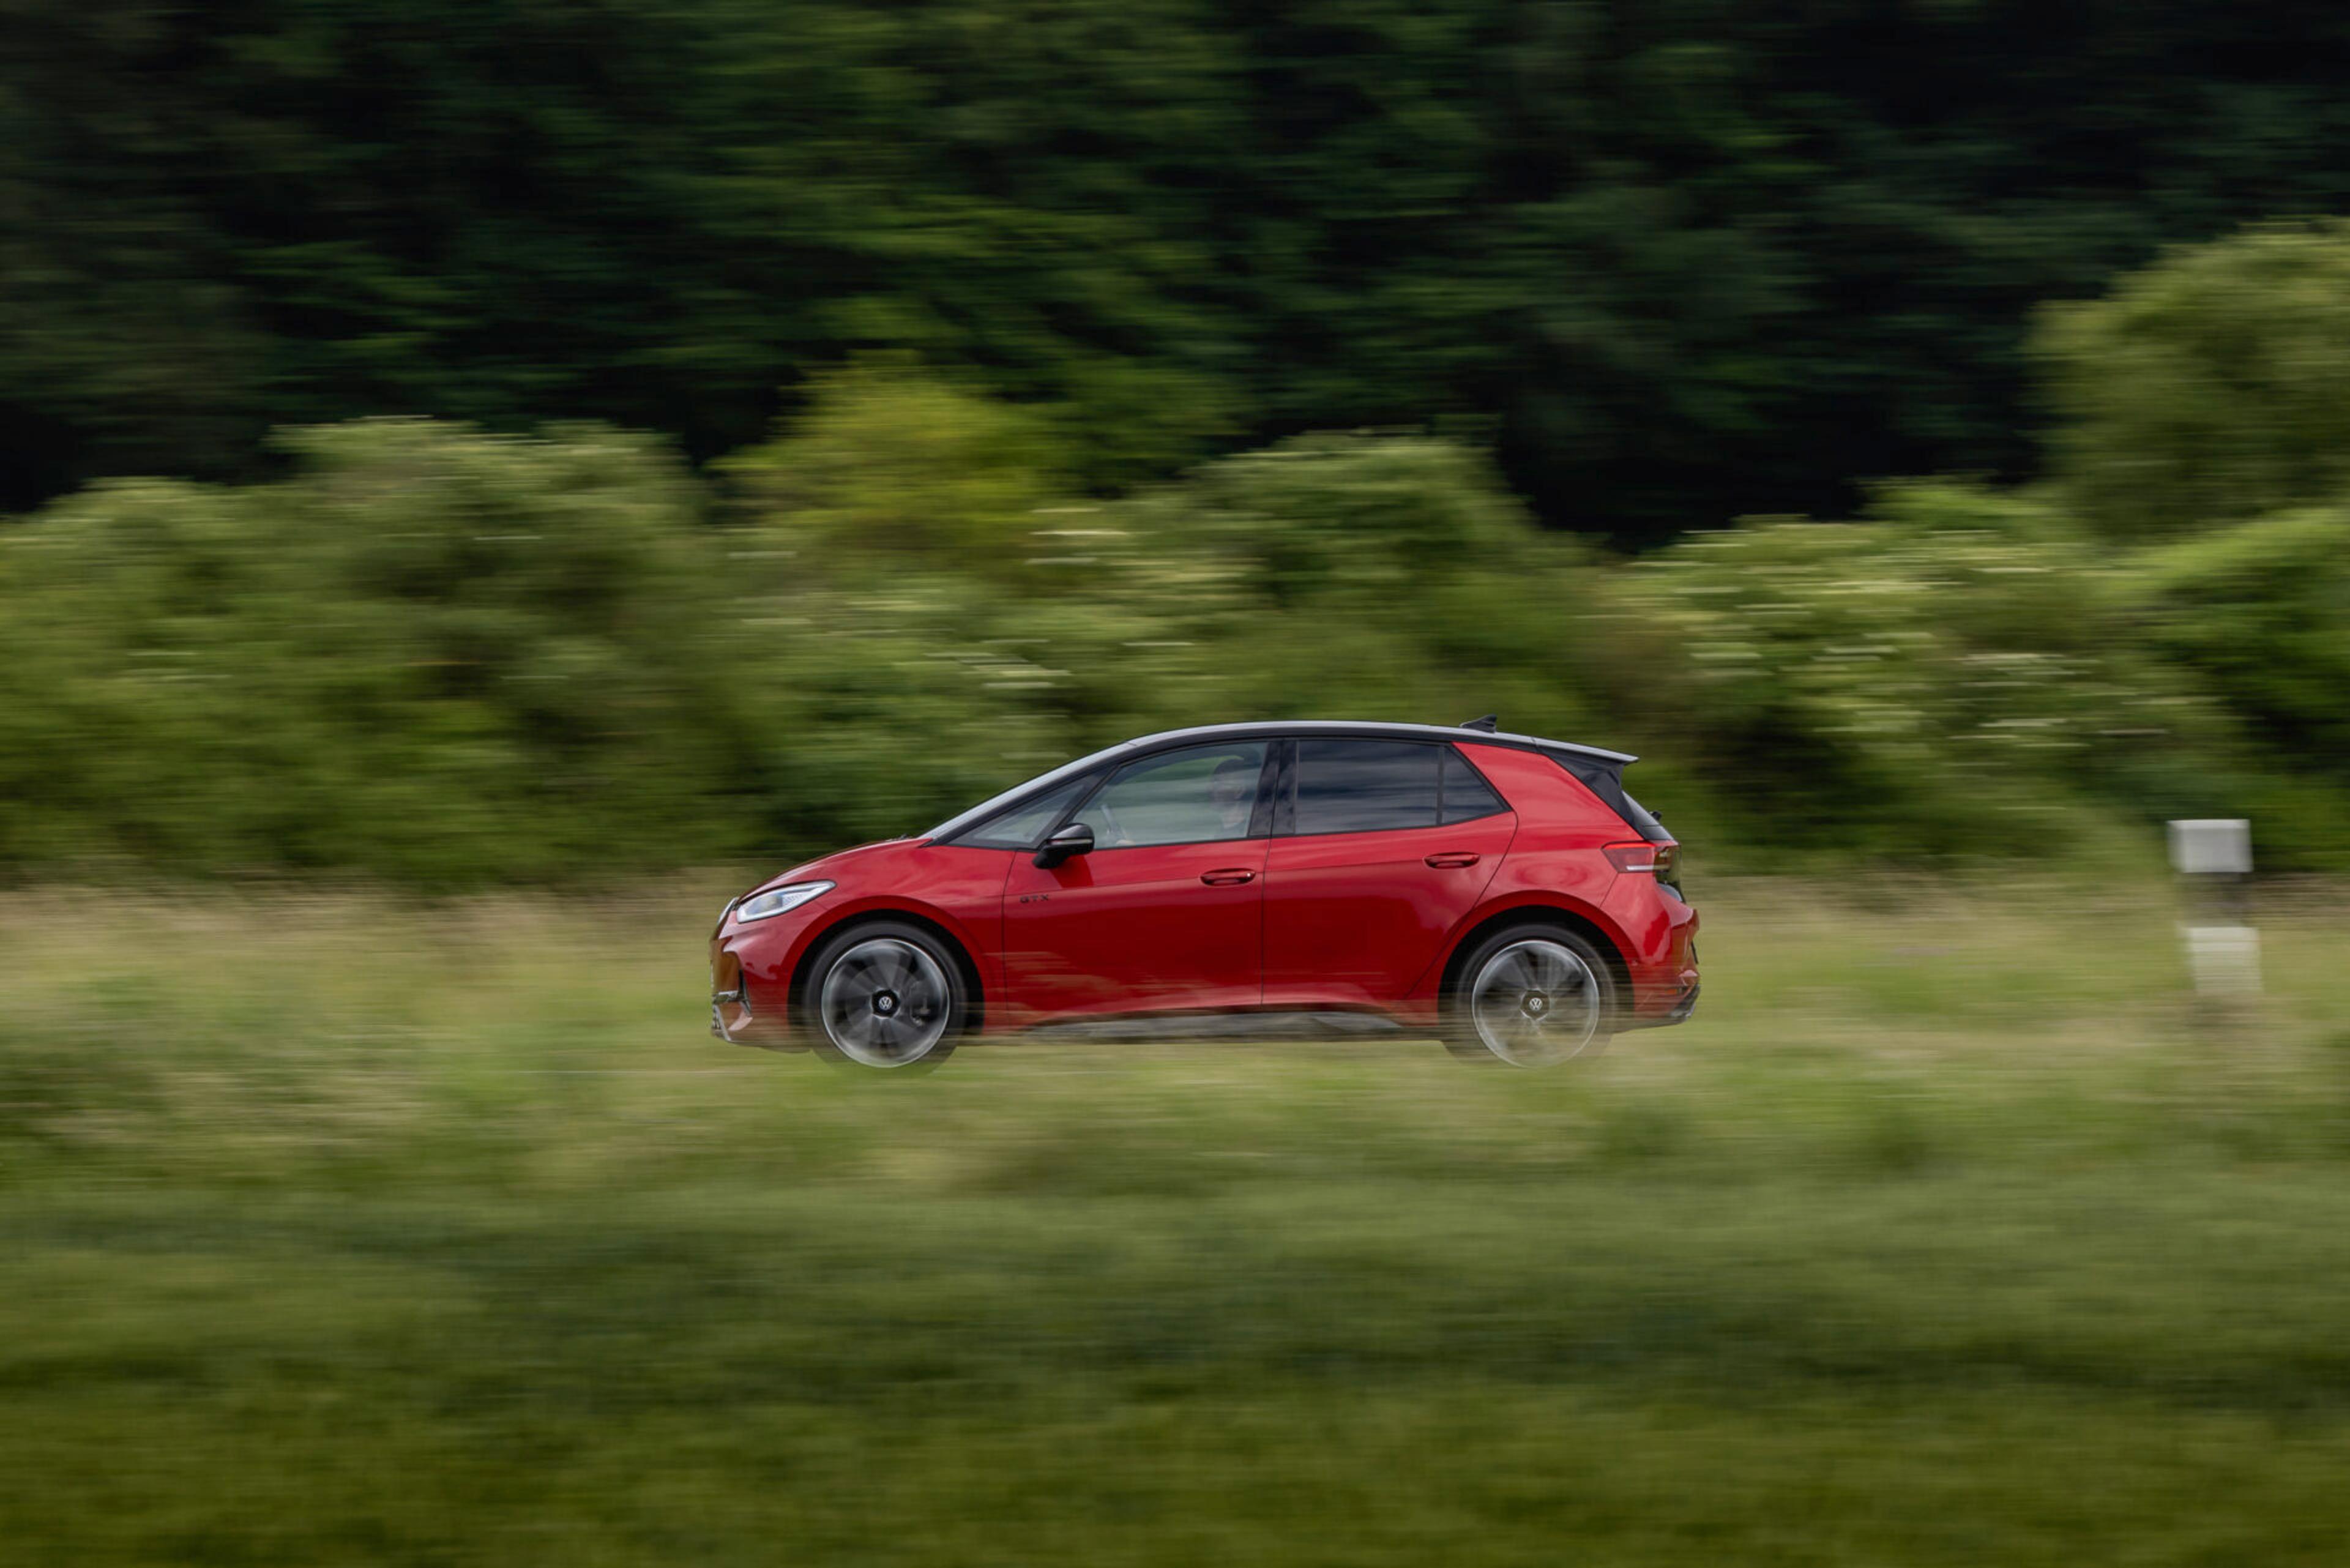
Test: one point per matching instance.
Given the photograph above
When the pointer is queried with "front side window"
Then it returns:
(1020, 827)
(1197, 795)
(1364, 786)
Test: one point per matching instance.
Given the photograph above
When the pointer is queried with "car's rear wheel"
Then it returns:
(1532, 996)
(885, 998)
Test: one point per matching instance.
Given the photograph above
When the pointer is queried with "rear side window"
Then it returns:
(1020, 827)
(1365, 786)
(1467, 795)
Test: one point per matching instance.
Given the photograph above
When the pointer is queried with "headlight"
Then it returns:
(779, 900)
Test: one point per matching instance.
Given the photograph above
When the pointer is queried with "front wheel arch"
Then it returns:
(796, 998)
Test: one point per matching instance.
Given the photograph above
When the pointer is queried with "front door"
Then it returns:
(1167, 912)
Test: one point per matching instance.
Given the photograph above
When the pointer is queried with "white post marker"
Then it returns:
(2212, 856)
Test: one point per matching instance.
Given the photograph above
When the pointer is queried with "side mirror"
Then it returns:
(1075, 839)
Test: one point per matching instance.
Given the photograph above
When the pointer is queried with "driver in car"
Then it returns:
(1232, 795)
(1233, 787)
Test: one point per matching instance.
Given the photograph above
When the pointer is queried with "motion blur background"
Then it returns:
(486, 480)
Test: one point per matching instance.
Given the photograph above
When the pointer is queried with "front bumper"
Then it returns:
(731, 1020)
(732, 1016)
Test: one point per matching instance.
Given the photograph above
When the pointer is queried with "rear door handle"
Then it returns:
(1231, 877)
(1451, 859)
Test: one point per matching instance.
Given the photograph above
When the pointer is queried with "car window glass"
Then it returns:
(1196, 795)
(1364, 786)
(1466, 795)
(1020, 827)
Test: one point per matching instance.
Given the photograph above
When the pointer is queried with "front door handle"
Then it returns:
(1231, 877)
(1451, 859)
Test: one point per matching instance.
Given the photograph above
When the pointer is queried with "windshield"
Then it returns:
(994, 802)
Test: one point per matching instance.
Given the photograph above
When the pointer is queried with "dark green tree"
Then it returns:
(1674, 259)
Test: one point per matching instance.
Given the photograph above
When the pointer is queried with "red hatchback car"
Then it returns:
(1501, 891)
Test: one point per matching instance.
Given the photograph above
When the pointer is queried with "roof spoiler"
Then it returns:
(1600, 772)
(1603, 776)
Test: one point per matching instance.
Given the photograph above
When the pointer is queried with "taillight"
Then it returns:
(1660, 859)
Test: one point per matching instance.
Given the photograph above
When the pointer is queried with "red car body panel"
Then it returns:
(1163, 929)
(1289, 922)
(1354, 919)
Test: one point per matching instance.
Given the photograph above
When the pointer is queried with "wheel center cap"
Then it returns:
(885, 1002)
(1537, 1004)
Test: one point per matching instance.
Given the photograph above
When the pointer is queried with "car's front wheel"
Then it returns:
(884, 996)
(1532, 996)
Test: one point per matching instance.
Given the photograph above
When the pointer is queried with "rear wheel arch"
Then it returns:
(802, 972)
(1555, 917)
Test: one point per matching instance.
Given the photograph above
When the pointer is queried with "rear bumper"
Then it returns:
(1677, 1010)
(1665, 986)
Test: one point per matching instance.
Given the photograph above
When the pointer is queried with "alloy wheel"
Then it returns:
(1535, 1002)
(885, 1003)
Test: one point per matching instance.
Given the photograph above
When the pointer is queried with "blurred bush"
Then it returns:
(432, 654)
(1943, 678)
(446, 658)
(2260, 614)
(2211, 387)
(2262, 610)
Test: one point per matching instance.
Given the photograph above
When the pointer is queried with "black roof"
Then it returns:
(1353, 727)
(1582, 760)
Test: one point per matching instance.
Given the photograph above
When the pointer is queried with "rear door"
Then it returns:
(1167, 912)
(1380, 847)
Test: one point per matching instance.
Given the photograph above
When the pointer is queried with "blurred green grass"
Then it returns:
(344, 1228)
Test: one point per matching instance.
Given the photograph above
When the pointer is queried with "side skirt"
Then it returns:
(1233, 1026)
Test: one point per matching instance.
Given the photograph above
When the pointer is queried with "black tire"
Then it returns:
(1548, 996)
(885, 998)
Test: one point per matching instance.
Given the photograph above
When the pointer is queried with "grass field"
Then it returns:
(343, 1231)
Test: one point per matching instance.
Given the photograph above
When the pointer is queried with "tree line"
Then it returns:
(1668, 260)
(442, 656)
